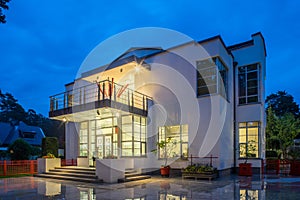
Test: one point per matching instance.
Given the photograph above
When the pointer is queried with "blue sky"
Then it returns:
(43, 43)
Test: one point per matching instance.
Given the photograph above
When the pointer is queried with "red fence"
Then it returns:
(10, 168)
(18, 167)
(69, 162)
(286, 167)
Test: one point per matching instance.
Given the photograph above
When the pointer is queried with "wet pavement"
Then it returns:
(230, 187)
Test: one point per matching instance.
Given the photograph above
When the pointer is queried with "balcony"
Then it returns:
(102, 94)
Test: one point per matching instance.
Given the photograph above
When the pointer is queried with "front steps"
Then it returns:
(133, 175)
(87, 175)
(73, 174)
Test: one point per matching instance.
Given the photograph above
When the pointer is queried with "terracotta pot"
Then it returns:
(245, 169)
(165, 171)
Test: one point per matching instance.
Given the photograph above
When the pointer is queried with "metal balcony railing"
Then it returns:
(99, 91)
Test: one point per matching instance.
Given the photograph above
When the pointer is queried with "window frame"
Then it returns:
(248, 126)
(217, 65)
(246, 80)
(181, 143)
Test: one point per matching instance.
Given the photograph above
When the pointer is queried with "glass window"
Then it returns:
(83, 139)
(133, 135)
(248, 139)
(179, 139)
(248, 84)
(212, 77)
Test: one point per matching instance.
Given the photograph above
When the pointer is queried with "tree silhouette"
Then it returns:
(282, 103)
(12, 111)
(3, 6)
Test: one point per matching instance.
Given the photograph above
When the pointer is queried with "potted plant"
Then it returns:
(247, 151)
(47, 162)
(165, 148)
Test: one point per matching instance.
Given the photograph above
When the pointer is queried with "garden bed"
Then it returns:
(196, 176)
(199, 172)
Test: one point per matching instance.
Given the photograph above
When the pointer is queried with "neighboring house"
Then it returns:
(9, 132)
(207, 96)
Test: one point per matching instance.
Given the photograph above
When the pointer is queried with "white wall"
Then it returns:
(252, 112)
(172, 84)
(72, 140)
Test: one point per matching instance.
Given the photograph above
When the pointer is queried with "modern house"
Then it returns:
(205, 96)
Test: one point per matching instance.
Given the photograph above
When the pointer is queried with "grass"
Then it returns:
(15, 176)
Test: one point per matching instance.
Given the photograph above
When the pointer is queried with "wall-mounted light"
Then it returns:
(64, 119)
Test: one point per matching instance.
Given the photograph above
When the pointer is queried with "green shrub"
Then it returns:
(50, 145)
(20, 150)
(271, 154)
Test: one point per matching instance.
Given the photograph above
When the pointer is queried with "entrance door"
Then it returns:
(104, 146)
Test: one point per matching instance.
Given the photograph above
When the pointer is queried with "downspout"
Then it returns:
(234, 117)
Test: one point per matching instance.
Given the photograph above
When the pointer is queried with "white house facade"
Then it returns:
(205, 96)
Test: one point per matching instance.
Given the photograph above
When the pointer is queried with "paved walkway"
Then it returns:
(230, 187)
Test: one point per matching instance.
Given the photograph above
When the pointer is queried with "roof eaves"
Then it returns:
(217, 37)
(240, 45)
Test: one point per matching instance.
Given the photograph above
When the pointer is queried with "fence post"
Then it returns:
(278, 166)
(4, 168)
(72, 162)
(31, 167)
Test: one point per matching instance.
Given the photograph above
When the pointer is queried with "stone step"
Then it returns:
(82, 175)
(92, 169)
(134, 178)
(132, 174)
(71, 178)
(79, 171)
(128, 171)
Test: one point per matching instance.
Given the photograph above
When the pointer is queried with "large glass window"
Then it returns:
(212, 77)
(248, 139)
(133, 136)
(83, 139)
(179, 137)
(248, 84)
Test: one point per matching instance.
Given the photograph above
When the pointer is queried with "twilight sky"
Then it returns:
(43, 43)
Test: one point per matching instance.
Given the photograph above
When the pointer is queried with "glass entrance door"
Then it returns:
(104, 146)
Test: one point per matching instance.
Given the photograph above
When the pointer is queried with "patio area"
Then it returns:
(230, 187)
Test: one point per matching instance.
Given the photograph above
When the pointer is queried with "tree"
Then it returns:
(3, 6)
(282, 103)
(20, 150)
(10, 109)
(272, 140)
(288, 127)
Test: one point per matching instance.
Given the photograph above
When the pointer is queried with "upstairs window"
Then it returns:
(248, 84)
(212, 77)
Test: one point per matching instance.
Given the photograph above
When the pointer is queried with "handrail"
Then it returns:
(97, 83)
(96, 91)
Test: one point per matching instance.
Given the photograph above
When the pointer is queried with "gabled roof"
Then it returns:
(31, 134)
(5, 128)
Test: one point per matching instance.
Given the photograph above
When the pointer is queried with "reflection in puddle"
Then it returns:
(49, 188)
(162, 189)
(87, 194)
